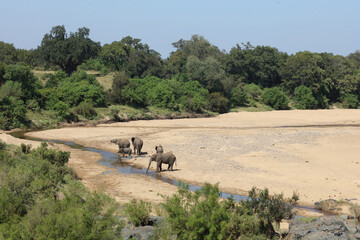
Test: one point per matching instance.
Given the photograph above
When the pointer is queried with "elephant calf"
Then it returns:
(160, 158)
(125, 151)
(159, 149)
(121, 142)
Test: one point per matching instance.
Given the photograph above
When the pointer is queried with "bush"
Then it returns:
(86, 109)
(2, 145)
(204, 215)
(238, 97)
(218, 103)
(275, 98)
(12, 113)
(253, 91)
(350, 101)
(138, 212)
(61, 109)
(304, 98)
(120, 80)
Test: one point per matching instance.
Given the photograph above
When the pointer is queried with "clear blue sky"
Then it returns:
(291, 26)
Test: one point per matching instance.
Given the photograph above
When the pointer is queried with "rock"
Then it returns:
(141, 232)
(329, 228)
(327, 205)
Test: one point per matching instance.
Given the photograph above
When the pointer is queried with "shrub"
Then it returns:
(138, 212)
(238, 97)
(253, 91)
(275, 98)
(120, 80)
(12, 113)
(350, 101)
(61, 109)
(203, 215)
(2, 145)
(86, 109)
(218, 103)
(304, 98)
(55, 79)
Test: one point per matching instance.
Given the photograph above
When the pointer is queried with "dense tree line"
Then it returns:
(197, 76)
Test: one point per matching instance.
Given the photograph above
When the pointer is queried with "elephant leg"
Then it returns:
(158, 166)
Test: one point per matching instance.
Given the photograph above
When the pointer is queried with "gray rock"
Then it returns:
(329, 228)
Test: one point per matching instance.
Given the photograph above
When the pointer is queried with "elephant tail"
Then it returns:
(175, 162)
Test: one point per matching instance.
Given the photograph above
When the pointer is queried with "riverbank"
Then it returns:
(312, 152)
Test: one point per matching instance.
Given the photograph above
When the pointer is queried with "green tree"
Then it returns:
(218, 103)
(275, 98)
(238, 97)
(115, 54)
(350, 101)
(23, 75)
(304, 68)
(208, 73)
(197, 46)
(12, 113)
(259, 65)
(304, 98)
(8, 54)
(68, 51)
(120, 80)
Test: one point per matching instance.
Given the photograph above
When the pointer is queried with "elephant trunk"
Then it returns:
(148, 166)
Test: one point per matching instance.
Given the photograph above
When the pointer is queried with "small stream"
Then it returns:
(111, 160)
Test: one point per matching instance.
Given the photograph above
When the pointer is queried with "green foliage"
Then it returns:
(61, 109)
(68, 51)
(218, 103)
(259, 65)
(208, 72)
(23, 75)
(238, 97)
(119, 82)
(193, 97)
(138, 212)
(55, 79)
(41, 200)
(304, 68)
(12, 113)
(11, 89)
(275, 98)
(350, 101)
(7, 53)
(197, 46)
(115, 54)
(203, 215)
(86, 109)
(94, 64)
(2, 145)
(304, 98)
(80, 87)
(270, 208)
(253, 91)
(161, 95)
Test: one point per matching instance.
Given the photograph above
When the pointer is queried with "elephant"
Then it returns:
(160, 158)
(125, 151)
(159, 149)
(137, 143)
(121, 142)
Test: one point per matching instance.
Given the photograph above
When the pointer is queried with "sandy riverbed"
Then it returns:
(238, 150)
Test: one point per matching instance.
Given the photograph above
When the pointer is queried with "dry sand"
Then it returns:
(316, 153)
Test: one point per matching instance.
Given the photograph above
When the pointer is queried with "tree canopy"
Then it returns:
(68, 50)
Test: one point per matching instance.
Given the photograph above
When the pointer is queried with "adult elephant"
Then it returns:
(160, 158)
(137, 143)
(121, 142)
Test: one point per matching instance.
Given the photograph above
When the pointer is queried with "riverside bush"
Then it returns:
(350, 101)
(203, 215)
(31, 206)
(304, 98)
(138, 212)
(275, 98)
